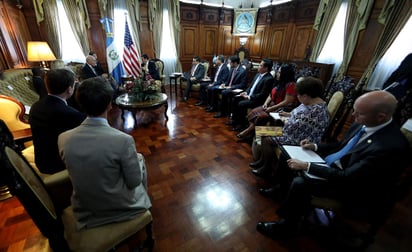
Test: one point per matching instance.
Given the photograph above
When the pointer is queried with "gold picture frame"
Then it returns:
(244, 21)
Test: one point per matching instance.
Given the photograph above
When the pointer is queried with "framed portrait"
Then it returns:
(244, 21)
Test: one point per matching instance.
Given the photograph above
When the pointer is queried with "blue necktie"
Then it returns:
(332, 158)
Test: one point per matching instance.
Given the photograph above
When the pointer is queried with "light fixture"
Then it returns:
(39, 51)
(242, 40)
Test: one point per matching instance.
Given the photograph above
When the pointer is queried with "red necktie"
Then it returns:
(233, 76)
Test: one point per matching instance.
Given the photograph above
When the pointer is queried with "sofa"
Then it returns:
(18, 84)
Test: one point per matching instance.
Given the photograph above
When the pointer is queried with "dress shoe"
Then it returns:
(218, 115)
(275, 193)
(199, 103)
(259, 173)
(230, 122)
(256, 164)
(268, 192)
(245, 139)
(184, 99)
(210, 109)
(276, 229)
(237, 128)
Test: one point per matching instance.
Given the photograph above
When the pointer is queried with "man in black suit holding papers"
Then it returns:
(359, 176)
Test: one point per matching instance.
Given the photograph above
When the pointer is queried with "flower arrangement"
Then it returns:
(143, 87)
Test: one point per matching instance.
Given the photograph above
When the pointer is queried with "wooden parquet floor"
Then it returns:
(203, 194)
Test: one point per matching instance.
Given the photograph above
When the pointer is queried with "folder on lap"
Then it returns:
(268, 131)
(305, 155)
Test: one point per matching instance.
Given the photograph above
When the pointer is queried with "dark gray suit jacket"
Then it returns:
(263, 88)
(48, 118)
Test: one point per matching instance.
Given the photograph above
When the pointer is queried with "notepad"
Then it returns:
(275, 115)
(305, 155)
(298, 152)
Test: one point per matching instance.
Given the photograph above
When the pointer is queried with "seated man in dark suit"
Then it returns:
(93, 69)
(255, 95)
(90, 69)
(359, 170)
(237, 80)
(38, 81)
(51, 116)
(149, 66)
(98, 67)
(196, 74)
(206, 89)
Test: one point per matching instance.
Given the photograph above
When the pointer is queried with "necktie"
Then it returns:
(94, 70)
(193, 71)
(217, 73)
(233, 76)
(255, 84)
(332, 158)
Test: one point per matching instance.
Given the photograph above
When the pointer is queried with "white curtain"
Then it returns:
(168, 52)
(332, 51)
(400, 48)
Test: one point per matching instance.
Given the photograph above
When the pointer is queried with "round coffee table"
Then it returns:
(133, 103)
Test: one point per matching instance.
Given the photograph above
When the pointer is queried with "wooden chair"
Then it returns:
(61, 230)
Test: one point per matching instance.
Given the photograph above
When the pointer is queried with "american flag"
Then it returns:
(131, 58)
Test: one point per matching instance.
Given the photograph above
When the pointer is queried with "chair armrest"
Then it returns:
(56, 178)
(22, 136)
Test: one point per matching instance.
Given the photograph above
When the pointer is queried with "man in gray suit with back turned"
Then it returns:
(107, 173)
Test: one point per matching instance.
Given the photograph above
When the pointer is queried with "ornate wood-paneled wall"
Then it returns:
(14, 35)
(283, 32)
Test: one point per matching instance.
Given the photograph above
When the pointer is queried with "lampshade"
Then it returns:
(39, 51)
(242, 40)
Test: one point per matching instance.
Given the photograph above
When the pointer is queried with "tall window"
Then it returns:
(71, 50)
(393, 57)
(119, 24)
(332, 52)
(168, 50)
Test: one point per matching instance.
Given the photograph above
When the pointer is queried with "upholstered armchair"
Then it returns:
(60, 226)
(363, 230)
(160, 68)
(195, 87)
(12, 114)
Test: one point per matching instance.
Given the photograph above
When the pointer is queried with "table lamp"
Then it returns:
(39, 51)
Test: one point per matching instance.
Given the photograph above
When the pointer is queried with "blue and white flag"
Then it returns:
(114, 62)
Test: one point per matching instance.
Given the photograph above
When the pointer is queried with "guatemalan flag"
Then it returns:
(113, 59)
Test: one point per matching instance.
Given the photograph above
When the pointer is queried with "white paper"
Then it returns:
(302, 154)
(27, 108)
(408, 125)
(275, 115)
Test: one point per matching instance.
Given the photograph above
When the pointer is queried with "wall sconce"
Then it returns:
(39, 51)
(242, 40)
